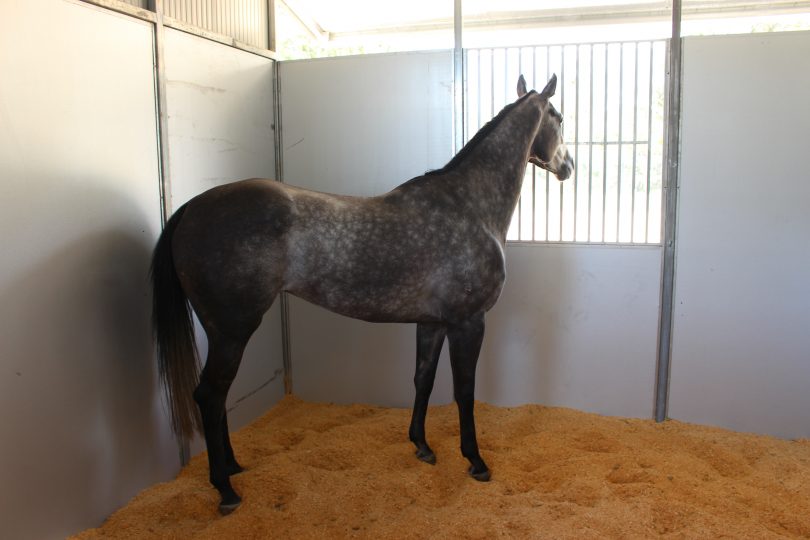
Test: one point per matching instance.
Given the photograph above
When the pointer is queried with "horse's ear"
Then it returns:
(521, 87)
(550, 88)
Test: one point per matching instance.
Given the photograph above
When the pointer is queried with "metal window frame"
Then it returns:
(574, 221)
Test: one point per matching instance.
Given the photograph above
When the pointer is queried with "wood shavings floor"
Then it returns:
(328, 471)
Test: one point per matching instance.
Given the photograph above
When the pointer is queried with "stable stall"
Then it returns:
(665, 280)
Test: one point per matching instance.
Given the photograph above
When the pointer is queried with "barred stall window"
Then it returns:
(612, 98)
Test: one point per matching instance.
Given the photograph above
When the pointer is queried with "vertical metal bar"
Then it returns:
(604, 151)
(238, 19)
(506, 95)
(548, 189)
(562, 111)
(271, 25)
(466, 91)
(458, 77)
(649, 148)
(492, 84)
(576, 142)
(221, 18)
(226, 18)
(635, 136)
(235, 18)
(590, 144)
(671, 183)
(480, 101)
(621, 121)
(162, 111)
(534, 169)
(534, 202)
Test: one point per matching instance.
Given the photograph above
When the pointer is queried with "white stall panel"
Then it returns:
(362, 125)
(84, 427)
(220, 105)
(741, 352)
(575, 326)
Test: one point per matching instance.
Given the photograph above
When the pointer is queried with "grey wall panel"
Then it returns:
(741, 350)
(362, 125)
(220, 107)
(575, 326)
(84, 427)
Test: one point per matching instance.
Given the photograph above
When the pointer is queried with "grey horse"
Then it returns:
(430, 252)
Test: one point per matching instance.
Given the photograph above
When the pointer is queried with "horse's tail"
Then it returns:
(173, 329)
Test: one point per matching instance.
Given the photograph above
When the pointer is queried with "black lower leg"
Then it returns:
(429, 340)
(231, 464)
(465, 345)
(211, 399)
(215, 381)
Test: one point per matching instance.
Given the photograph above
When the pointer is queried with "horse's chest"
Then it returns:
(471, 278)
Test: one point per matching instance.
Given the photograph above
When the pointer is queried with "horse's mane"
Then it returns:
(478, 137)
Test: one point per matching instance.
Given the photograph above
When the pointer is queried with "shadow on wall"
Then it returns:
(84, 427)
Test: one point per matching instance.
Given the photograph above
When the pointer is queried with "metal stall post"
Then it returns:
(286, 344)
(156, 6)
(671, 184)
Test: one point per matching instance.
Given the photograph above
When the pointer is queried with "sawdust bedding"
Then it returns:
(329, 471)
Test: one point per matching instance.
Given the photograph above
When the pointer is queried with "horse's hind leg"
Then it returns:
(465, 344)
(224, 356)
(230, 460)
(429, 340)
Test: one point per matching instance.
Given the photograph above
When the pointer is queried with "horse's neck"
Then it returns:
(494, 171)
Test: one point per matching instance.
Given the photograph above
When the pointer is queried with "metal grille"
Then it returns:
(611, 96)
(243, 20)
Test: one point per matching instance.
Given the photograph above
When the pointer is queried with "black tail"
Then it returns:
(173, 329)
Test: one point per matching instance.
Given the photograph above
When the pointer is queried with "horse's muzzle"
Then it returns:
(566, 168)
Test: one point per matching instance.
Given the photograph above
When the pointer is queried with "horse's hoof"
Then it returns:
(235, 469)
(427, 456)
(481, 476)
(226, 509)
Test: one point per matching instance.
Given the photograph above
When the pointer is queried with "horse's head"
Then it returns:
(548, 150)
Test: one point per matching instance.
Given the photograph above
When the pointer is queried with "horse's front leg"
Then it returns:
(429, 341)
(465, 344)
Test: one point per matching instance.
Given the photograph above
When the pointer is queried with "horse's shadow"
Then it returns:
(84, 426)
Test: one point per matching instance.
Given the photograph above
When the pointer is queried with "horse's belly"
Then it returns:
(374, 302)
(441, 295)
